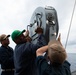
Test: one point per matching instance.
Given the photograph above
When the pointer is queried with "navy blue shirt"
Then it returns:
(25, 55)
(52, 69)
(6, 57)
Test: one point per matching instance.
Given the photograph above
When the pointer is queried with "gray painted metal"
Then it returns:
(47, 19)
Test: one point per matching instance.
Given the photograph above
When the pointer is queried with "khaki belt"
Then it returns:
(7, 69)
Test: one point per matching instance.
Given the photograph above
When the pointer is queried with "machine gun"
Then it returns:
(45, 18)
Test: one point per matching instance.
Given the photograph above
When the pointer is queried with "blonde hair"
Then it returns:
(56, 52)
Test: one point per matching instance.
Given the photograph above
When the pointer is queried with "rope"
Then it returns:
(70, 25)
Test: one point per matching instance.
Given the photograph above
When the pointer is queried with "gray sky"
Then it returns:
(16, 14)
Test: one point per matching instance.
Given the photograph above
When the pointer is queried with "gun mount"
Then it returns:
(47, 19)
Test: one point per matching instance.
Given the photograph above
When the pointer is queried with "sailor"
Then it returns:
(6, 56)
(25, 52)
(58, 65)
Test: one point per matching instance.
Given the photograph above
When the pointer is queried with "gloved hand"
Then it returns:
(39, 30)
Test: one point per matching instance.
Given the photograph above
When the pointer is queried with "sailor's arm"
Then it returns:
(41, 50)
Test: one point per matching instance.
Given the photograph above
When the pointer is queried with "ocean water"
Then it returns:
(72, 60)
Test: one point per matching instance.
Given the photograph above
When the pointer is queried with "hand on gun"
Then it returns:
(59, 38)
(26, 33)
(27, 37)
(39, 30)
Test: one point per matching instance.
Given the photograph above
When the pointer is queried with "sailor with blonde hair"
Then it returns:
(56, 54)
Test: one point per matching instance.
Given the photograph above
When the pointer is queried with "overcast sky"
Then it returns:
(16, 14)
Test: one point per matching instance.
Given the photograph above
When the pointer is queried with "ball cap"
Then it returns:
(16, 33)
(3, 36)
